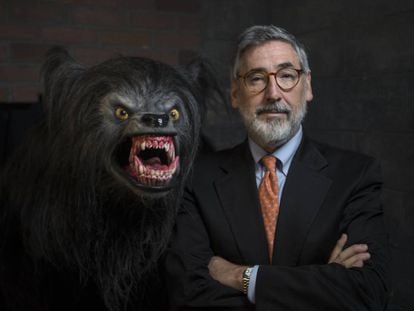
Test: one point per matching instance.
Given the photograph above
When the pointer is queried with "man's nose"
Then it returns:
(273, 91)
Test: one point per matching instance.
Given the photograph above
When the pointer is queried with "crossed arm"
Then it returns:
(230, 274)
(349, 278)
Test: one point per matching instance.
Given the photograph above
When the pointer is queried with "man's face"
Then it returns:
(272, 116)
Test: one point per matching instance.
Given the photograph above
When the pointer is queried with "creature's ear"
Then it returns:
(211, 90)
(206, 79)
(211, 97)
(207, 82)
(58, 73)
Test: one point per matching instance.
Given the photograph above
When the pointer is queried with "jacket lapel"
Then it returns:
(237, 192)
(303, 194)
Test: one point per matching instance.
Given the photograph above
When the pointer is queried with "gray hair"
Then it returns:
(258, 35)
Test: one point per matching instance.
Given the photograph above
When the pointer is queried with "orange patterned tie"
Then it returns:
(269, 199)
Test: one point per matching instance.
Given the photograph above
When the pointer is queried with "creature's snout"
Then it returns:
(155, 120)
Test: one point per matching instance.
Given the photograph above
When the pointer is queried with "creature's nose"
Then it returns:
(155, 120)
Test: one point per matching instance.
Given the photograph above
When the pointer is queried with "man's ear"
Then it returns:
(309, 94)
(234, 93)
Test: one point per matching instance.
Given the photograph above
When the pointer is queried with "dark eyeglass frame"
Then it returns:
(268, 74)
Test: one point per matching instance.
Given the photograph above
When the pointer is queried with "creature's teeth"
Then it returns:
(143, 145)
(167, 147)
(136, 165)
(161, 145)
(131, 157)
(173, 166)
(141, 169)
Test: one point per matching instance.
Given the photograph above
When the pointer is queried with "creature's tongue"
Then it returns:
(154, 163)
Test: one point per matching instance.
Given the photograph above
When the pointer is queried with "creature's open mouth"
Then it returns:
(152, 160)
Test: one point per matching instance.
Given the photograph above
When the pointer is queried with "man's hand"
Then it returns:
(226, 273)
(351, 257)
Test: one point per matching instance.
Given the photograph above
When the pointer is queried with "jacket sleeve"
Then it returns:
(189, 284)
(331, 286)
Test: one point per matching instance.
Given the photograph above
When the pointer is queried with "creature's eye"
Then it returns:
(121, 113)
(174, 114)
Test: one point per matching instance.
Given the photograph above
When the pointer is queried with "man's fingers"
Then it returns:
(358, 264)
(353, 256)
(351, 251)
(338, 247)
(356, 261)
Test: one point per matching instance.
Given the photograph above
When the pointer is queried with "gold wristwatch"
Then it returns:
(246, 279)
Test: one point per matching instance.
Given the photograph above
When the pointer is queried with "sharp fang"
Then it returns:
(174, 165)
(167, 147)
(143, 145)
(141, 169)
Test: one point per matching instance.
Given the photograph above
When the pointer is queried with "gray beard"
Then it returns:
(274, 133)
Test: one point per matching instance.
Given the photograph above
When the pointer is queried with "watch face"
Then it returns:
(247, 272)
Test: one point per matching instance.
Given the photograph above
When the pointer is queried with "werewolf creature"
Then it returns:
(88, 203)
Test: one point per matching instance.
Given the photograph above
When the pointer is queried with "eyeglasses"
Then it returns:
(256, 81)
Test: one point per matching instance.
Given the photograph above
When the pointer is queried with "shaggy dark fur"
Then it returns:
(81, 226)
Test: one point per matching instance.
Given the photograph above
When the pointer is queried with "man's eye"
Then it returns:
(287, 76)
(255, 78)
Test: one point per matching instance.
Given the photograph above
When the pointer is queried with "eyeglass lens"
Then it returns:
(257, 81)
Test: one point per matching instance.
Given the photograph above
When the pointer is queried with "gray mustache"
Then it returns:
(274, 107)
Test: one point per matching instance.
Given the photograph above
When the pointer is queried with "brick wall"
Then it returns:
(92, 30)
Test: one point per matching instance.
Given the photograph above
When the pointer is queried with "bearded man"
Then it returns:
(279, 222)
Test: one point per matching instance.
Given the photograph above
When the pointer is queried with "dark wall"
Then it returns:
(361, 56)
(363, 84)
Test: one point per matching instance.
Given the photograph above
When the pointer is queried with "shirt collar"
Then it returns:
(284, 153)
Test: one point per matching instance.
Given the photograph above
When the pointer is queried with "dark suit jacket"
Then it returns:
(327, 192)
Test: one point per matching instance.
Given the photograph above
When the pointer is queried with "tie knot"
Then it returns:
(269, 162)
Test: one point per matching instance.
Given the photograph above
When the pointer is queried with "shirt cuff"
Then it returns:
(251, 290)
